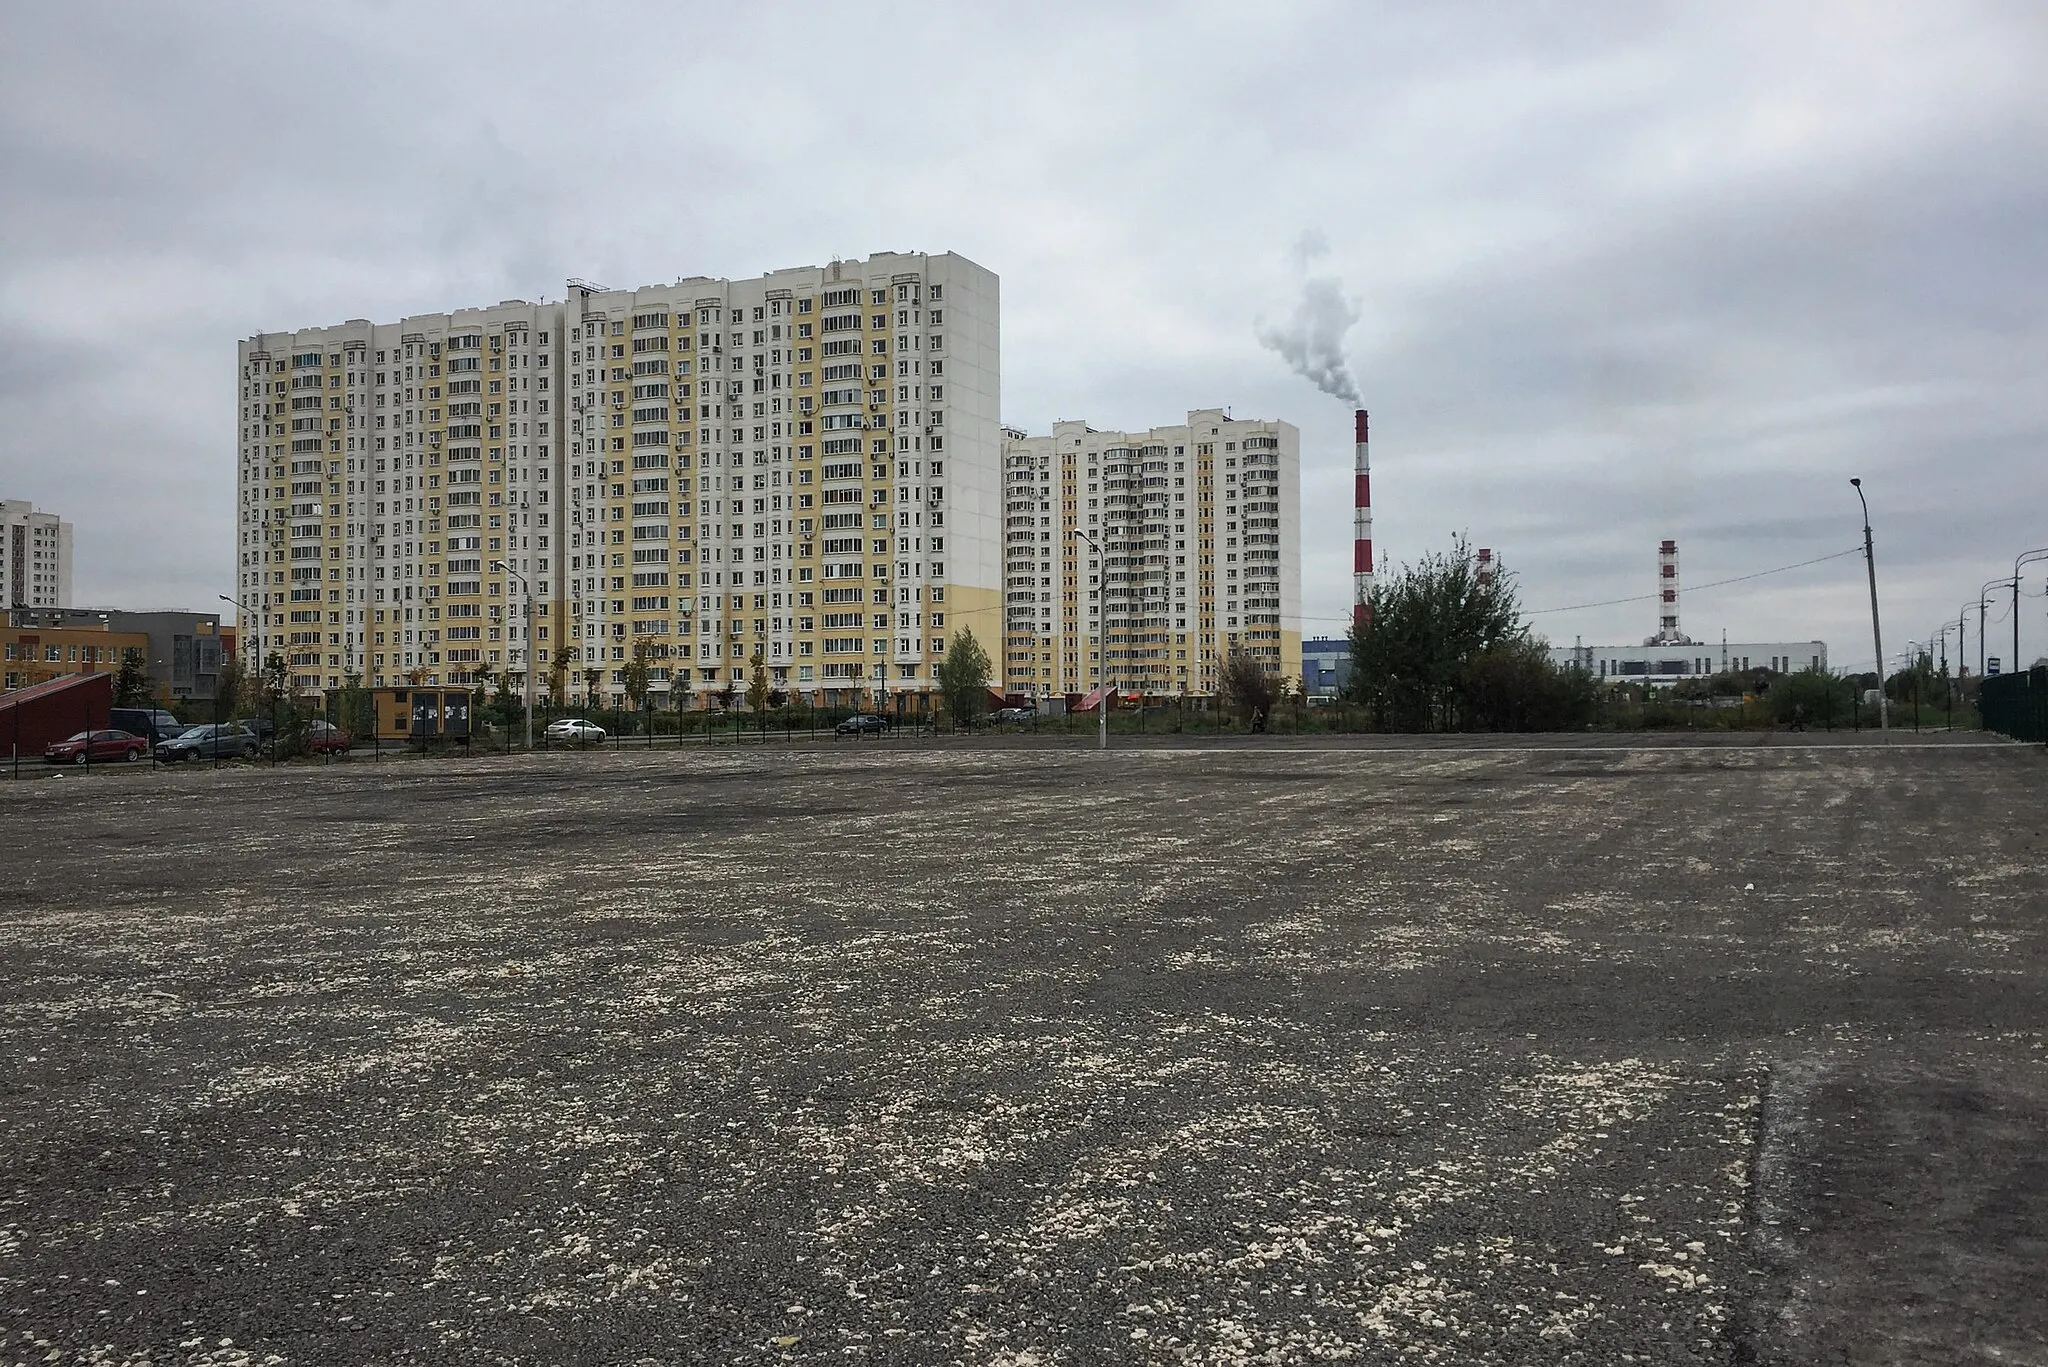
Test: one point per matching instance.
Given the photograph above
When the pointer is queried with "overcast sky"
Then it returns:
(1624, 271)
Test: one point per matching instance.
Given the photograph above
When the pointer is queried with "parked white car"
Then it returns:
(575, 730)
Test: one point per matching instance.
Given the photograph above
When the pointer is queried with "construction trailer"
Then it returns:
(426, 713)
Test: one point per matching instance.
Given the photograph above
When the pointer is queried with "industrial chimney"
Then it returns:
(1361, 529)
(1484, 569)
(1668, 633)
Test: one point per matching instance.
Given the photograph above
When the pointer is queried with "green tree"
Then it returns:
(963, 678)
(132, 686)
(1812, 697)
(558, 678)
(1513, 686)
(283, 709)
(1917, 682)
(757, 689)
(1413, 657)
(637, 676)
(591, 679)
(508, 704)
(277, 677)
(480, 695)
(228, 687)
(1248, 690)
(353, 709)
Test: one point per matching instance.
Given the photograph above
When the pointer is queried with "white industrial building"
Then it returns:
(35, 557)
(1691, 660)
(1671, 655)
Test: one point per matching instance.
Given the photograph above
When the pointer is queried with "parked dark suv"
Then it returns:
(153, 724)
(226, 741)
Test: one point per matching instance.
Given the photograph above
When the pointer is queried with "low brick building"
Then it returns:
(33, 717)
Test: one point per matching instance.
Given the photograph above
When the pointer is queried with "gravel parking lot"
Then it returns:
(1278, 1053)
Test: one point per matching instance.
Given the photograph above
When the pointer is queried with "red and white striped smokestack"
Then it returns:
(1667, 593)
(1361, 529)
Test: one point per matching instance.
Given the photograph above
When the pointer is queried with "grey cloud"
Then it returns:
(1609, 274)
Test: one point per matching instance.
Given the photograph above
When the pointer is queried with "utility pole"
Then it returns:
(1884, 717)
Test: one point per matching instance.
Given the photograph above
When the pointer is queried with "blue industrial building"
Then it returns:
(1325, 666)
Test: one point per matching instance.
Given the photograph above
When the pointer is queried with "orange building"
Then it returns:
(33, 654)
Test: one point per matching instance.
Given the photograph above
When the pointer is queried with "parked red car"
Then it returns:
(325, 738)
(102, 746)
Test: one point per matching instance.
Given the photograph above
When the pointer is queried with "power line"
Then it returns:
(1646, 597)
(1699, 588)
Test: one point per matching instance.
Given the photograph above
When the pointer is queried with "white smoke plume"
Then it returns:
(1312, 341)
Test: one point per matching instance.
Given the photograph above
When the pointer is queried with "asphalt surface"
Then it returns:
(1550, 1052)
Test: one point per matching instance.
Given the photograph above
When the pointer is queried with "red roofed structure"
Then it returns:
(33, 717)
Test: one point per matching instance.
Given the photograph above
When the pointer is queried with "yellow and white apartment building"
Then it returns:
(1163, 549)
(804, 466)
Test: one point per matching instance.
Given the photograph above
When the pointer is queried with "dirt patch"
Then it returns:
(1006, 1055)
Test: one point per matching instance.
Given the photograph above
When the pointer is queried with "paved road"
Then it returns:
(1212, 1054)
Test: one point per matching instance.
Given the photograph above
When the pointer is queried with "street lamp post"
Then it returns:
(242, 610)
(527, 590)
(2024, 558)
(1101, 641)
(1983, 607)
(1948, 683)
(1914, 651)
(1884, 719)
(1962, 638)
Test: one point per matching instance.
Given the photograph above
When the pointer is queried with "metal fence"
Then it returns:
(493, 728)
(2017, 704)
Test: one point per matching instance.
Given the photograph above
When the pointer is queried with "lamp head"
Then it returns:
(1855, 481)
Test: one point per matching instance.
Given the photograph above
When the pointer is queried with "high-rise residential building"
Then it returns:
(1165, 549)
(802, 468)
(35, 557)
